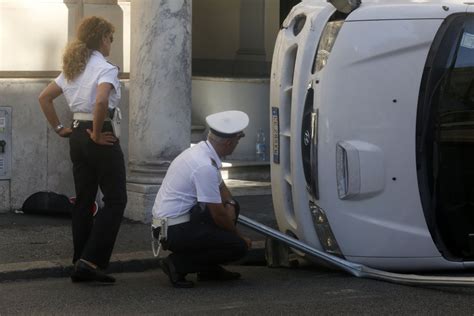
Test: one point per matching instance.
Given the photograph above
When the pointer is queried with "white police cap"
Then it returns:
(228, 123)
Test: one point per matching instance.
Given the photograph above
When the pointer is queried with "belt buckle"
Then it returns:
(75, 124)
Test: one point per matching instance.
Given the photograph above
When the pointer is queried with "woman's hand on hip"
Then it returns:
(105, 138)
(65, 132)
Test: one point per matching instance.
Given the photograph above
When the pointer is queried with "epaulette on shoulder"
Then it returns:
(116, 66)
(214, 163)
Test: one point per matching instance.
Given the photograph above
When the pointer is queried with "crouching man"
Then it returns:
(194, 214)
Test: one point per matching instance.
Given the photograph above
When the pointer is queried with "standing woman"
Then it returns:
(91, 87)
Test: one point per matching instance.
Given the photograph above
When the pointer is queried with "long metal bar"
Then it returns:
(356, 269)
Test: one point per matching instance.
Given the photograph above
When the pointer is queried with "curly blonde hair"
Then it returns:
(89, 36)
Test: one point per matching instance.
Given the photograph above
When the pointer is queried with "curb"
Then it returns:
(120, 263)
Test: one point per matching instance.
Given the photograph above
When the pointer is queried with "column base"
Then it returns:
(5, 196)
(143, 182)
(140, 201)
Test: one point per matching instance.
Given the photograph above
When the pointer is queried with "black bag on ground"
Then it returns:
(49, 203)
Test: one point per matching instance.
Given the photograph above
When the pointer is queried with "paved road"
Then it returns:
(264, 291)
(26, 238)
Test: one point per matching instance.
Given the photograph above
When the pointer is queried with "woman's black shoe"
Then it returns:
(176, 279)
(85, 273)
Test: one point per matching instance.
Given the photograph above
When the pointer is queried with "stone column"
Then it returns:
(160, 96)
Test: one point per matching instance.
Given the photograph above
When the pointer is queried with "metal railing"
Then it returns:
(356, 269)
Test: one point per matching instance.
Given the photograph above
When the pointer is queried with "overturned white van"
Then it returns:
(372, 140)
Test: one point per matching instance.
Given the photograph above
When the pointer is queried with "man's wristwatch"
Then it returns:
(231, 202)
(58, 128)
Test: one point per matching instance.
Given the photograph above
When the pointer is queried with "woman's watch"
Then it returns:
(58, 128)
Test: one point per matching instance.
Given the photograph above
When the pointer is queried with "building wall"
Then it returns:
(217, 39)
(40, 159)
(216, 25)
(212, 95)
(33, 34)
(31, 40)
(272, 26)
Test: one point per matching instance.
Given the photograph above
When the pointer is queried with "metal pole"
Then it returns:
(356, 269)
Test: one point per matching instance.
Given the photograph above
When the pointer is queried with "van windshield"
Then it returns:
(446, 146)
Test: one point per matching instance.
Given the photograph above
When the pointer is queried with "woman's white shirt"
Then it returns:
(80, 93)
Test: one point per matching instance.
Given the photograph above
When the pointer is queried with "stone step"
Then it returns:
(246, 170)
(248, 187)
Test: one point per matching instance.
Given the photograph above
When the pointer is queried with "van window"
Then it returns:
(445, 143)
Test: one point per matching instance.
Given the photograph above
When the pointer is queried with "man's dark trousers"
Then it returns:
(200, 246)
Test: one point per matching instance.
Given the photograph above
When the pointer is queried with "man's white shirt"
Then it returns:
(81, 92)
(194, 176)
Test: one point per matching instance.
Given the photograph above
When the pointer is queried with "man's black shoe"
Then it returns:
(176, 279)
(85, 273)
(220, 274)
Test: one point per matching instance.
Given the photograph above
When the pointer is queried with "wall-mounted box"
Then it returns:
(5, 142)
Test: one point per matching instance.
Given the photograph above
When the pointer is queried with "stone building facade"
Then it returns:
(180, 60)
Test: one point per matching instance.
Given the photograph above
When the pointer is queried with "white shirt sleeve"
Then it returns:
(110, 75)
(207, 180)
(60, 80)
